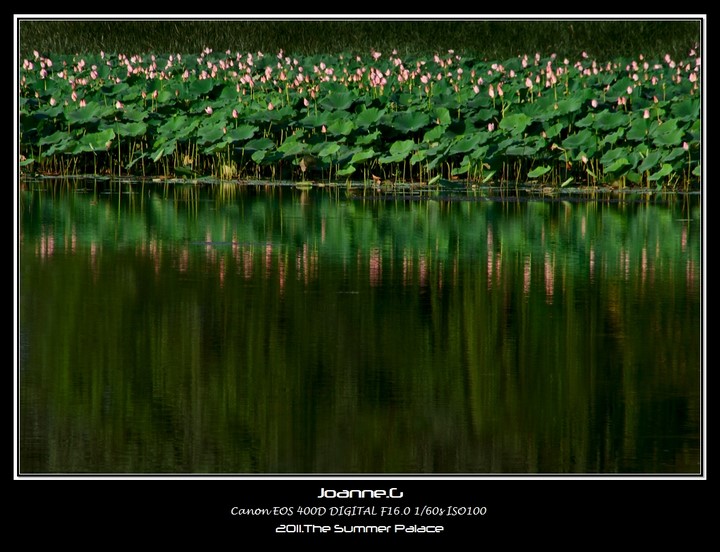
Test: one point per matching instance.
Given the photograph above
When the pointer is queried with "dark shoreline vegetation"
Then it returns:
(321, 102)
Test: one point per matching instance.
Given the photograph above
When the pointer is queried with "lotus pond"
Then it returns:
(260, 329)
(372, 119)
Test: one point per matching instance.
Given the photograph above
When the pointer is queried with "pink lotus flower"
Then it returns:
(646, 114)
(270, 106)
(119, 105)
(209, 110)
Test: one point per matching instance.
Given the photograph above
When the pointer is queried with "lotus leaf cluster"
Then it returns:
(374, 118)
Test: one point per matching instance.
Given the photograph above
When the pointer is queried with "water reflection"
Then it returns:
(279, 331)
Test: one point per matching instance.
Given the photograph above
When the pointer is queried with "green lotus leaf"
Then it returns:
(418, 157)
(50, 112)
(258, 156)
(259, 144)
(584, 139)
(340, 100)
(614, 154)
(670, 138)
(346, 171)
(293, 147)
(515, 123)
(316, 120)
(521, 151)
(479, 153)
(638, 131)
(466, 143)
(606, 120)
(97, 141)
(92, 113)
(200, 87)
(410, 121)
(341, 126)
(434, 134)
(650, 161)
(174, 125)
(539, 171)
(167, 95)
(130, 129)
(619, 88)
(163, 148)
(54, 138)
(367, 139)
(329, 149)
(586, 121)
(363, 155)
(665, 170)
(116, 90)
(633, 177)
(686, 110)
(674, 154)
(696, 131)
(617, 165)
(402, 148)
(209, 135)
(611, 138)
(368, 117)
(442, 116)
(485, 116)
(551, 131)
(134, 114)
(243, 132)
(569, 105)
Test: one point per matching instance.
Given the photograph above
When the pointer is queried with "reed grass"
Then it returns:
(488, 38)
